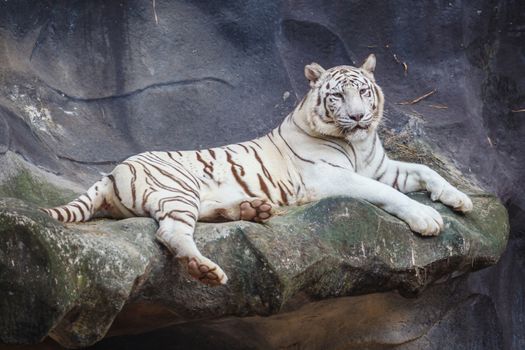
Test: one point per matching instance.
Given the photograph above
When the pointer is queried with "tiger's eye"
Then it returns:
(338, 95)
(363, 91)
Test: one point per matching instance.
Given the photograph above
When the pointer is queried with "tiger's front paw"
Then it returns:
(451, 196)
(423, 219)
(205, 270)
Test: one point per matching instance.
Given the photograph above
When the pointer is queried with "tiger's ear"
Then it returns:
(369, 64)
(312, 72)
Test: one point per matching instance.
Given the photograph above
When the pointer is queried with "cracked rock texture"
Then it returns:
(85, 84)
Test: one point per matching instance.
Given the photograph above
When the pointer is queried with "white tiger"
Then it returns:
(327, 146)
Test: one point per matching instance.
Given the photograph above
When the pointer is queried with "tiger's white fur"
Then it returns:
(327, 146)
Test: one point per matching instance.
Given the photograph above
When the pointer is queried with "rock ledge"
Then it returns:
(70, 282)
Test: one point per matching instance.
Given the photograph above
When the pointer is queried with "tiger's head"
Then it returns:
(344, 101)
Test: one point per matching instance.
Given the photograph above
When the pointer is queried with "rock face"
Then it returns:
(72, 281)
(374, 321)
(85, 84)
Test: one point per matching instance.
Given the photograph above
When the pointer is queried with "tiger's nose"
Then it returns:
(356, 117)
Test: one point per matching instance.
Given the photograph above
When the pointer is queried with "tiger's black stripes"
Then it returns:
(132, 181)
(164, 172)
(331, 164)
(264, 187)
(208, 167)
(88, 207)
(80, 210)
(179, 199)
(394, 184)
(347, 156)
(160, 185)
(237, 177)
(263, 167)
(243, 147)
(286, 188)
(255, 143)
(269, 136)
(59, 214)
(379, 167)
(115, 188)
(284, 196)
(175, 218)
(231, 150)
(177, 167)
(291, 149)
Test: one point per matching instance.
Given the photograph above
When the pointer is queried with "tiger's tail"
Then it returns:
(85, 206)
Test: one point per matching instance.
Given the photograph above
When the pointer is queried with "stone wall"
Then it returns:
(87, 83)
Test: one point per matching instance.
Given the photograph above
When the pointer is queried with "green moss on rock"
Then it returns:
(24, 185)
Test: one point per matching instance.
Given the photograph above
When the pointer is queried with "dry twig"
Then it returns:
(438, 106)
(521, 110)
(404, 64)
(420, 98)
(155, 13)
(405, 67)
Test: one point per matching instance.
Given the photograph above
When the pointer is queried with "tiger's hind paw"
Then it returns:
(206, 271)
(257, 210)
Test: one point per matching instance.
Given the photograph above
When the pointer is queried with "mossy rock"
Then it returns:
(30, 187)
(71, 281)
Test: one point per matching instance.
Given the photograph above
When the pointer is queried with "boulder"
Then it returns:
(71, 281)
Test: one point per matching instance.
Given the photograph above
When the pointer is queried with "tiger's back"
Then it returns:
(213, 182)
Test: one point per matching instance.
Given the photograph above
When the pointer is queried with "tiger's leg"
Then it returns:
(177, 221)
(178, 238)
(337, 181)
(409, 177)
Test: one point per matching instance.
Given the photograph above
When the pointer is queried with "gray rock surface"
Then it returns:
(70, 282)
(84, 84)
(373, 321)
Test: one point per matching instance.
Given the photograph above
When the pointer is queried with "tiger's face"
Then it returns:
(345, 101)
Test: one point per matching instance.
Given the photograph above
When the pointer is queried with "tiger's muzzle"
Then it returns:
(355, 122)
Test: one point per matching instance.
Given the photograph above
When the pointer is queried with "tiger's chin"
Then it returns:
(359, 133)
